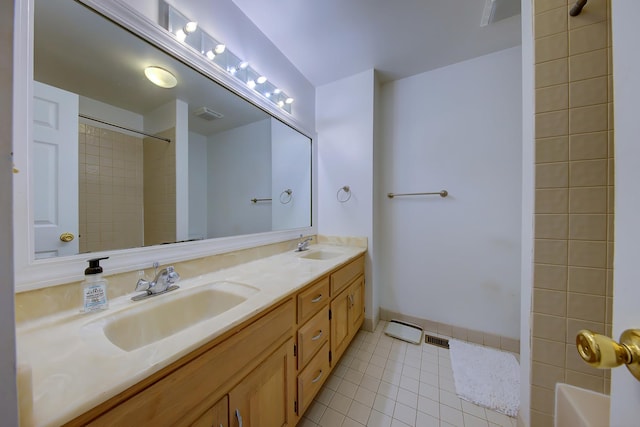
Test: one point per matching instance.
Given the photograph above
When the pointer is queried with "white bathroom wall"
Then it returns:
(9, 400)
(109, 113)
(226, 22)
(231, 188)
(454, 260)
(291, 170)
(197, 186)
(345, 122)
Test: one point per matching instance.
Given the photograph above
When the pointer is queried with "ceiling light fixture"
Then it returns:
(289, 100)
(261, 80)
(190, 27)
(220, 48)
(251, 83)
(210, 55)
(243, 65)
(160, 77)
(181, 35)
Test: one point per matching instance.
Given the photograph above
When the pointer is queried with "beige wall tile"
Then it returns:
(610, 199)
(587, 254)
(589, 382)
(510, 344)
(587, 280)
(555, 149)
(475, 337)
(553, 201)
(542, 399)
(586, 307)
(609, 311)
(587, 200)
(553, 98)
(588, 227)
(589, 92)
(553, 175)
(610, 253)
(552, 226)
(588, 65)
(545, 5)
(550, 302)
(585, 119)
(540, 419)
(549, 352)
(596, 12)
(491, 340)
(546, 276)
(588, 146)
(551, 47)
(587, 38)
(553, 124)
(551, 22)
(546, 375)
(553, 72)
(552, 328)
(459, 333)
(588, 173)
(611, 176)
(551, 251)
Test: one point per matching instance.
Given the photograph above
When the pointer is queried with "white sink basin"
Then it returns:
(578, 407)
(320, 255)
(167, 315)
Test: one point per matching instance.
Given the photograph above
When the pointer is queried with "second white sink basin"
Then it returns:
(161, 318)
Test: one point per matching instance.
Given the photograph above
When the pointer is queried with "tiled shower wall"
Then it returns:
(110, 189)
(574, 196)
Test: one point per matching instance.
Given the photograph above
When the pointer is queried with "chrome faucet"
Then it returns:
(163, 282)
(303, 245)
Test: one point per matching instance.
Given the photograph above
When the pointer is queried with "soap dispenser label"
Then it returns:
(95, 297)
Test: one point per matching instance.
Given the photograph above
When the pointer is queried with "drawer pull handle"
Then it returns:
(317, 299)
(351, 300)
(239, 417)
(317, 337)
(316, 379)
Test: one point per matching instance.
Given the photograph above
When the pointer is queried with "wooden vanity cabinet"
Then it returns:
(347, 315)
(216, 416)
(264, 373)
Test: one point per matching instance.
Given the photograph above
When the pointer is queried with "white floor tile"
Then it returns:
(405, 414)
(378, 419)
(384, 405)
(408, 398)
(331, 418)
(359, 412)
(385, 382)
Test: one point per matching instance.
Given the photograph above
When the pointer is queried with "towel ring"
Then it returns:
(287, 196)
(346, 190)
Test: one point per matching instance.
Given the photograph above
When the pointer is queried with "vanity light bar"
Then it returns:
(188, 32)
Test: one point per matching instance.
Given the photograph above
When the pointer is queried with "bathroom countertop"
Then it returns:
(75, 367)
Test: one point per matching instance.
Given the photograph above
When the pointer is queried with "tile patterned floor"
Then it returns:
(384, 382)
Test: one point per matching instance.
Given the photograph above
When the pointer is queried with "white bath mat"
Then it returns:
(486, 377)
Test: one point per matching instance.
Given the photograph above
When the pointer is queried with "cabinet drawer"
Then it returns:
(312, 377)
(312, 335)
(312, 300)
(345, 275)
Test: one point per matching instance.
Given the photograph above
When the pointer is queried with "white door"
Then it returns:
(625, 389)
(55, 171)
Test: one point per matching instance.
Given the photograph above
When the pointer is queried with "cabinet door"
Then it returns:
(339, 325)
(265, 397)
(216, 416)
(356, 305)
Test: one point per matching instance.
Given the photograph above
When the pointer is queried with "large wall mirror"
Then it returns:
(119, 162)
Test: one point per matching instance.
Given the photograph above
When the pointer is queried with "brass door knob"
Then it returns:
(602, 352)
(66, 237)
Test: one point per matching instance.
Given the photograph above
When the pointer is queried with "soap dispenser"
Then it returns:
(94, 288)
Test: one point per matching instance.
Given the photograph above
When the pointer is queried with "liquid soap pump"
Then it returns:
(94, 288)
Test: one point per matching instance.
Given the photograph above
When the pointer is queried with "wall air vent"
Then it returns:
(207, 113)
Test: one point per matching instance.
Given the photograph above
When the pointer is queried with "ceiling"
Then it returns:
(331, 39)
